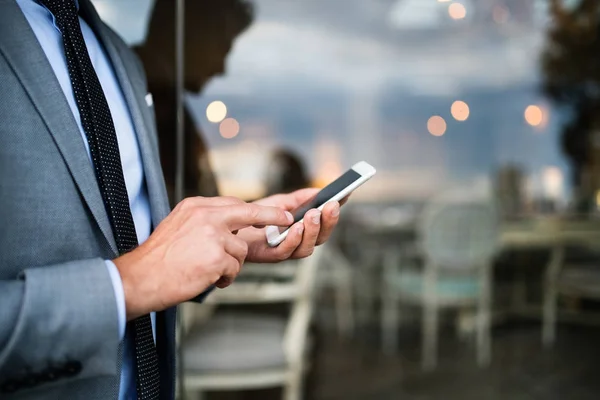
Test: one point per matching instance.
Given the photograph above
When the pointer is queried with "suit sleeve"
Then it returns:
(57, 323)
(117, 283)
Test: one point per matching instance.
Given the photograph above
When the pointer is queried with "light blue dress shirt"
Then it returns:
(48, 35)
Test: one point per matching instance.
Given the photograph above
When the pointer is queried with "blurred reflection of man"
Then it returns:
(286, 173)
(92, 261)
(211, 26)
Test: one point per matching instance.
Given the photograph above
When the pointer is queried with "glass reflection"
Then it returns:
(210, 29)
(462, 106)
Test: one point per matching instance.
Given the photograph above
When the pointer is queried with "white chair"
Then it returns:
(336, 273)
(242, 350)
(457, 240)
(572, 279)
(364, 253)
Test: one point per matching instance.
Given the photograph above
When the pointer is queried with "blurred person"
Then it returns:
(92, 260)
(285, 173)
(211, 26)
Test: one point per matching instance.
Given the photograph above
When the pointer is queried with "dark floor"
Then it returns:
(521, 368)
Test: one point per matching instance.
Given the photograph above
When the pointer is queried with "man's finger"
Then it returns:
(289, 201)
(231, 270)
(285, 249)
(245, 215)
(302, 196)
(200, 201)
(329, 219)
(237, 248)
(312, 226)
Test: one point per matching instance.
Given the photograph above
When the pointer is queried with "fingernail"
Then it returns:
(336, 211)
(289, 216)
(300, 228)
(316, 218)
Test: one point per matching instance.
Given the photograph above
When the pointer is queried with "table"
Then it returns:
(554, 234)
(547, 233)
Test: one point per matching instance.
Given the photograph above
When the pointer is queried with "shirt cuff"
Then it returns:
(115, 277)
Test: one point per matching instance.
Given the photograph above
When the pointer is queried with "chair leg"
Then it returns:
(484, 345)
(364, 287)
(430, 336)
(293, 388)
(550, 297)
(389, 321)
(466, 324)
(549, 317)
(344, 306)
(390, 309)
(430, 318)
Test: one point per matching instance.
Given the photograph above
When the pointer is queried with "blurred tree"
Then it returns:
(571, 66)
(211, 27)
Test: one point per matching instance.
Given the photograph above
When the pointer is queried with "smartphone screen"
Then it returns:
(325, 194)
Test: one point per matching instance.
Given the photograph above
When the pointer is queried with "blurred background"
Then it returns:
(468, 267)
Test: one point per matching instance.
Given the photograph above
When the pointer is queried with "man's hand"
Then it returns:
(302, 238)
(193, 248)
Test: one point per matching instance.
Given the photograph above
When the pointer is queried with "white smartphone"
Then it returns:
(335, 191)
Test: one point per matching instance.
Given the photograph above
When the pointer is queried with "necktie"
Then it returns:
(104, 149)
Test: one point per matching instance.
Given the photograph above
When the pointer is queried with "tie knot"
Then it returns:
(63, 10)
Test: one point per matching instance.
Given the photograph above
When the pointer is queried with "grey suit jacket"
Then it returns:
(58, 315)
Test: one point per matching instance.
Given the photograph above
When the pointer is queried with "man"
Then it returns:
(92, 263)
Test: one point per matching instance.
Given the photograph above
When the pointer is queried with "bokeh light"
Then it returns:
(457, 11)
(436, 125)
(229, 128)
(460, 110)
(216, 112)
(534, 115)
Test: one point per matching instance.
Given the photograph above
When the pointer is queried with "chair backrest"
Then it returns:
(458, 232)
(291, 282)
(271, 283)
(286, 282)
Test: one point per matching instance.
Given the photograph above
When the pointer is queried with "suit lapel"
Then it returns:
(134, 93)
(35, 74)
(22, 51)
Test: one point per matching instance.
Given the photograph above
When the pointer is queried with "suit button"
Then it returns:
(10, 386)
(72, 368)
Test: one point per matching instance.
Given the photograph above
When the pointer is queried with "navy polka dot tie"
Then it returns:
(104, 148)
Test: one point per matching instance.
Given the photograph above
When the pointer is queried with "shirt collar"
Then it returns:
(42, 4)
(52, 15)
(76, 3)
